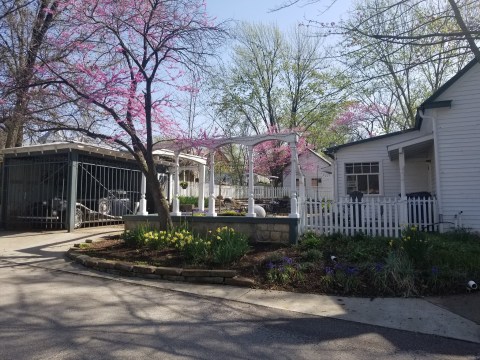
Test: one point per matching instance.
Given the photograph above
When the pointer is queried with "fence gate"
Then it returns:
(34, 191)
(38, 191)
(106, 190)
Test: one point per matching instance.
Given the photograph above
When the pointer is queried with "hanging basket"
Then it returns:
(183, 184)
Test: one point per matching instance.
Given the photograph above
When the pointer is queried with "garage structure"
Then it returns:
(68, 185)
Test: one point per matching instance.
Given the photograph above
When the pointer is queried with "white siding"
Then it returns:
(416, 170)
(459, 149)
(313, 167)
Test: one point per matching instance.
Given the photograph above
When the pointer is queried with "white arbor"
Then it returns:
(176, 147)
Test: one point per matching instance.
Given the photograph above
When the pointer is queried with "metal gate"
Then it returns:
(54, 191)
(34, 191)
(106, 190)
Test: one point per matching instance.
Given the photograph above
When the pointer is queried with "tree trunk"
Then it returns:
(160, 202)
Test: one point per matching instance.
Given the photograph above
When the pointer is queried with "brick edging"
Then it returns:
(227, 277)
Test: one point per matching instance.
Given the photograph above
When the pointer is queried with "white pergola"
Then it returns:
(176, 147)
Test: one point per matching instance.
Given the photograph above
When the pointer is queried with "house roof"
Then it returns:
(65, 147)
(320, 156)
(333, 149)
(62, 147)
(429, 103)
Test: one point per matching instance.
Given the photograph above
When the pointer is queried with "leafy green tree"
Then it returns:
(273, 83)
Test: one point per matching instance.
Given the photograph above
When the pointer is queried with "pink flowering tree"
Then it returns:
(125, 60)
(272, 157)
(359, 121)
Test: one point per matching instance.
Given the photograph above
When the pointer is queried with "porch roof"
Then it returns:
(411, 147)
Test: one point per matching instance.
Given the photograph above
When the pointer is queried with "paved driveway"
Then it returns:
(52, 309)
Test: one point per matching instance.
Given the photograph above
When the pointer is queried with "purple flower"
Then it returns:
(378, 267)
(287, 260)
(329, 271)
(434, 270)
(270, 265)
(351, 270)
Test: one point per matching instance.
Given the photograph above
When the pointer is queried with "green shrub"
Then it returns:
(416, 246)
(284, 272)
(311, 241)
(135, 238)
(231, 213)
(188, 200)
(227, 245)
(312, 255)
(397, 276)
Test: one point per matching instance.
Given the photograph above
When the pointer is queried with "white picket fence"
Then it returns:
(372, 216)
(260, 192)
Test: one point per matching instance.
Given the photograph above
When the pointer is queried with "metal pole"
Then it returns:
(72, 190)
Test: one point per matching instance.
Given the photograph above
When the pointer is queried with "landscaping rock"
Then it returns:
(168, 271)
(240, 281)
(223, 273)
(88, 241)
(106, 264)
(144, 269)
(173, 278)
(124, 267)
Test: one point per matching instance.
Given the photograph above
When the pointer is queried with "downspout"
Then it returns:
(437, 166)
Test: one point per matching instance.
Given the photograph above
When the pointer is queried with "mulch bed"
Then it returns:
(253, 265)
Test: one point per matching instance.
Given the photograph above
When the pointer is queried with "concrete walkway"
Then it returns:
(456, 317)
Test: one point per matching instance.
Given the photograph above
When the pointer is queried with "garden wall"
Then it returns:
(278, 230)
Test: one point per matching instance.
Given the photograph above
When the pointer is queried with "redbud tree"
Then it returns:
(126, 59)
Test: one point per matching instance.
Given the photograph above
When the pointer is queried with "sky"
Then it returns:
(259, 11)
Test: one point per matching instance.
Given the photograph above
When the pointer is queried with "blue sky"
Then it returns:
(258, 11)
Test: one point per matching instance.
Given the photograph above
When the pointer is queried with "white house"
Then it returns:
(440, 155)
(317, 170)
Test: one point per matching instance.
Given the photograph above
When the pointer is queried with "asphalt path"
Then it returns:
(55, 314)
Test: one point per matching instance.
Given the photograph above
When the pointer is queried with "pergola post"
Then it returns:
(201, 188)
(142, 208)
(176, 187)
(251, 200)
(293, 197)
(211, 188)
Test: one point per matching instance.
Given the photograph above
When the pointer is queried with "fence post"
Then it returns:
(72, 190)
(403, 212)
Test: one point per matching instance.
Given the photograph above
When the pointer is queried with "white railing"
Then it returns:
(372, 216)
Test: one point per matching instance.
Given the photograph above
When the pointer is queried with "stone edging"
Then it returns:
(227, 277)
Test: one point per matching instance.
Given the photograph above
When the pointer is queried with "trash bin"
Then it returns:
(417, 212)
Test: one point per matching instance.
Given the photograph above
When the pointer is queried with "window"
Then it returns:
(363, 177)
(316, 182)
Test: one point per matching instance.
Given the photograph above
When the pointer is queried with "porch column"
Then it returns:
(176, 187)
(293, 197)
(201, 188)
(251, 200)
(403, 216)
(211, 188)
(142, 208)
